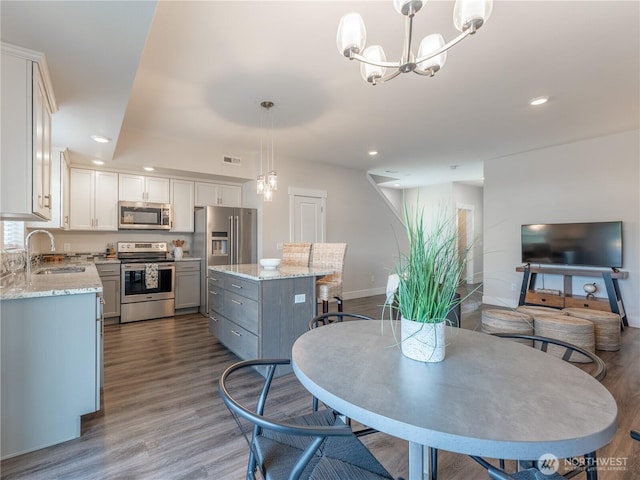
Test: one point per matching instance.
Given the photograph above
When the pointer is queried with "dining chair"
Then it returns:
(496, 473)
(314, 446)
(296, 254)
(594, 365)
(329, 256)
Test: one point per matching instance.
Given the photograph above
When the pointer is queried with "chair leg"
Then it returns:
(325, 306)
(592, 467)
(339, 300)
(314, 404)
(434, 463)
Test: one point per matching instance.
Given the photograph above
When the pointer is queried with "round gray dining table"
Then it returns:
(490, 397)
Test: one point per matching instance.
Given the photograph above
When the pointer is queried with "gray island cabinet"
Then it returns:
(51, 346)
(260, 313)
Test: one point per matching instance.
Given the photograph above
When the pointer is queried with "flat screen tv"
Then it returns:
(597, 244)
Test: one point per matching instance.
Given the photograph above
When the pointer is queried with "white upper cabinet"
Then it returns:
(139, 188)
(93, 200)
(217, 194)
(182, 205)
(26, 103)
(59, 193)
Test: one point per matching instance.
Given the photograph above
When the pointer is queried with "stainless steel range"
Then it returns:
(147, 281)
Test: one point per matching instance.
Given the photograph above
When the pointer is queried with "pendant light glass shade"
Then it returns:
(428, 45)
(352, 34)
(468, 12)
(408, 7)
(371, 72)
(267, 195)
(272, 180)
(260, 184)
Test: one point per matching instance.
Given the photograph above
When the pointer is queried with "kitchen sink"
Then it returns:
(67, 269)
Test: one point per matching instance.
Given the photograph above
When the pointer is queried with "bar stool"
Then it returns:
(329, 256)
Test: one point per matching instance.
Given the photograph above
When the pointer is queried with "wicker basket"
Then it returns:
(576, 331)
(606, 325)
(507, 321)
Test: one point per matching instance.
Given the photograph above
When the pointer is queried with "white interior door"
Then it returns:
(307, 216)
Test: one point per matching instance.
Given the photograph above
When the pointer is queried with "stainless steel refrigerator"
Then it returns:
(224, 236)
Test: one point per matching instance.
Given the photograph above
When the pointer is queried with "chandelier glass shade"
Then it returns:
(468, 17)
(267, 184)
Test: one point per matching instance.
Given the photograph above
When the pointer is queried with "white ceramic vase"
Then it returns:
(424, 342)
(177, 253)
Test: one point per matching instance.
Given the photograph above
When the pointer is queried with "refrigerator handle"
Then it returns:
(231, 241)
(237, 235)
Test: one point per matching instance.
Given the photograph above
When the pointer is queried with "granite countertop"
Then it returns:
(188, 259)
(253, 271)
(100, 261)
(48, 285)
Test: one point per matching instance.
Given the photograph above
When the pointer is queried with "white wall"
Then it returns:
(356, 214)
(587, 181)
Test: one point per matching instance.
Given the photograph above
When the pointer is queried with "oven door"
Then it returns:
(136, 287)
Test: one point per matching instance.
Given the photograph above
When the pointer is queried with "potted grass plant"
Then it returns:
(429, 276)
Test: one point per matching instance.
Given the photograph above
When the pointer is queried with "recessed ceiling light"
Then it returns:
(538, 101)
(100, 139)
(149, 169)
(97, 162)
(396, 184)
(373, 153)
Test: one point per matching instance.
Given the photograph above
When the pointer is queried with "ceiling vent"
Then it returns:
(231, 160)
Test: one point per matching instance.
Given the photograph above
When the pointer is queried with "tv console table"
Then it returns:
(528, 295)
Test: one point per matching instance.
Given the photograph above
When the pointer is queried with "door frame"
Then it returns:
(471, 227)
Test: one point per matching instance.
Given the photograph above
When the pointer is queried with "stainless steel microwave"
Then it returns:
(144, 216)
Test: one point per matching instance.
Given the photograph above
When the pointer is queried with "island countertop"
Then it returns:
(53, 284)
(254, 271)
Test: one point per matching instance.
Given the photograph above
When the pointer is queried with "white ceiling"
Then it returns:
(182, 76)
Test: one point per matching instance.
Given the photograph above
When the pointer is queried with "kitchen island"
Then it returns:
(51, 347)
(258, 313)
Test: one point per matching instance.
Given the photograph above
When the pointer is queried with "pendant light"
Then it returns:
(267, 184)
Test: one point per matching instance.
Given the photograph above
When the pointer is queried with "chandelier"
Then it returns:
(268, 183)
(468, 16)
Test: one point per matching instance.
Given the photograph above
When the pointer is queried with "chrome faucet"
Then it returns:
(27, 245)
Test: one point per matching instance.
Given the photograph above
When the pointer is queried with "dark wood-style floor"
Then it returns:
(162, 417)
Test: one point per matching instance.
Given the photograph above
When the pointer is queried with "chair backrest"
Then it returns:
(333, 317)
(318, 433)
(329, 256)
(598, 367)
(296, 254)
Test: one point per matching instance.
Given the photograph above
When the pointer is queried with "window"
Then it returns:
(12, 235)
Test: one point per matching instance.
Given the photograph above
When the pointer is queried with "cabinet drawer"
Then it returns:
(188, 266)
(216, 298)
(217, 326)
(241, 286)
(240, 341)
(592, 304)
(216, 278)
(108, 269)
(544, 299)
(241, 310)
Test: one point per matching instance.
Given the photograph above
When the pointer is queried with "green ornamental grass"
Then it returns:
(431, 272)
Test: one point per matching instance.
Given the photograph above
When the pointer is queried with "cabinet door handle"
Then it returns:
(212, 292)
(236, 286)
(215, 319)
(237, 334)
(236, 302)
(48, 204)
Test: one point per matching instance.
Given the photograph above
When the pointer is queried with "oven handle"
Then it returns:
(141, 267)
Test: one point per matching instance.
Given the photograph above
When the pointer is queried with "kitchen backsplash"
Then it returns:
(93, 242)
